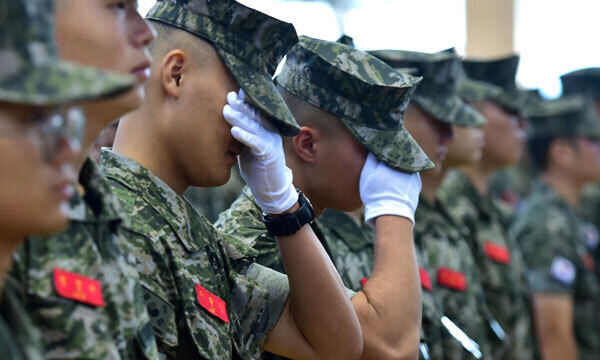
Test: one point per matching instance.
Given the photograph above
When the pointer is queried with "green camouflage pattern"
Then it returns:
(589, 210)
(93, 246)
(19, 339)
(251, 45)
(568, 116)
(351, 245)
(548, 228)
(177, 249)
(437, 92)
(243, 221)
(503, 284)
(502, 73)
(443, 245)
(368, 97)
(432, 334)
(511, 185)
(583, 81)
(32, 74)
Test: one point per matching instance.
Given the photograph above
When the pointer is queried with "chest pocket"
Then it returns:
(162, 317)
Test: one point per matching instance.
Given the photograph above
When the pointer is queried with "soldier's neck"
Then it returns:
(8, 245)
(479, 176)
(564, 185)
(94, 125)
(431, 181)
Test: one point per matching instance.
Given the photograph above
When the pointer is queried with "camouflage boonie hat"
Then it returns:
(250, 43)
(368, 97)
(502, 73)
(30, 70)
(568, 116)
(581, 82)
(437, 93)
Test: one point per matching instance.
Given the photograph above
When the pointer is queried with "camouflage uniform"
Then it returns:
(439, 242)
(447, 253)
(586, 82)
(32, 75)
(351, 246)
(553, 241)
(178, 250)
(92, 246)
(19, 339)
(553, 238)
(499, 263)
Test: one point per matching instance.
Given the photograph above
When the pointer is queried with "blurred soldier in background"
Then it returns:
(82, 288)
(447, 259)
(586, 82)
(565, 147)
(350, 106)
(41, 135)
(208, 299)
(465, 196)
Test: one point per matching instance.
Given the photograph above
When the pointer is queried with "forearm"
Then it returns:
(558, 347)
(389, 307)
(318, 301)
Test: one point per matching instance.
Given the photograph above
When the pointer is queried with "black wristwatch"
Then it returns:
(289, 224)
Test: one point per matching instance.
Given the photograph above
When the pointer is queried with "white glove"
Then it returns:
(262, 165)
(385, 191)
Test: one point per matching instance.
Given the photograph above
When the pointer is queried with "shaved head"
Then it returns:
(169, 38)
(309, 115)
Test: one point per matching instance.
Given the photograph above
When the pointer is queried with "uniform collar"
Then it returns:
(159, 196)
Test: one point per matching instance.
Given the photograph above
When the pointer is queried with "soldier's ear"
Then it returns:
(173, 74)
(562, 153)
(305, 144)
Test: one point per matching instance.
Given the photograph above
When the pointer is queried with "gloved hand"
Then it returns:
(262, 166)
(385, 191)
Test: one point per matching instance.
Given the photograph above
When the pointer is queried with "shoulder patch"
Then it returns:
(563, 270)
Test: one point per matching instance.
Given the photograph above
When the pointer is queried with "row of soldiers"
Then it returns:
(121, 266)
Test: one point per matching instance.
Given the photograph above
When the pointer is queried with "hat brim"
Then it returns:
(397, 148)
(262, 93)
(451, 110)
(471, 90)
(60, 82)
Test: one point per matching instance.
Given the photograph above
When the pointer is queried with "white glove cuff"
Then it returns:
(388, 207)
(282, 200)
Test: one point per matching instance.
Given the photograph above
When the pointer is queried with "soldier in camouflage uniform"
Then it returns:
(436, 107)
(82, 290)
(349, 103)
(587, 82)
(206, 297)
(37, 92)
(464, 195)
(564, 289)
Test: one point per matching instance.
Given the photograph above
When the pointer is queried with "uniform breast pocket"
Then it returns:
(162, 315)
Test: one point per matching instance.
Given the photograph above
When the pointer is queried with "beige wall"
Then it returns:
(490, 28)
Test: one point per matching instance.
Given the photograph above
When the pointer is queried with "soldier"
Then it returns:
(586, 82)
(464, 194)
(41, 133)
(564, 289)
(350, 106)
(435, 108)
(207, 298)
(82, 289)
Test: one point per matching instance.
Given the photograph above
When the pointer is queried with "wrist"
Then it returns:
(392, 208)
(291, 210)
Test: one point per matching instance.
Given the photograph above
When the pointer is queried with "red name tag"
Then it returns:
(425, 279)
(212, 303)
(363, 281)
(78, 287)
(497, 253)
(452, 279)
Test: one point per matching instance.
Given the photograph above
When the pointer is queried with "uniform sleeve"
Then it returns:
(544, 236)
